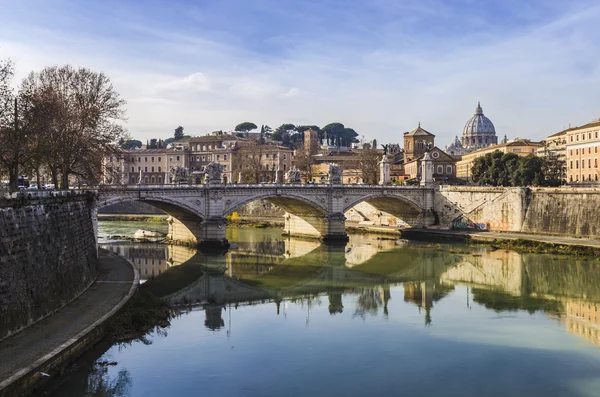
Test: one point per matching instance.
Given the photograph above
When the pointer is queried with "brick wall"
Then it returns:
(48, 256)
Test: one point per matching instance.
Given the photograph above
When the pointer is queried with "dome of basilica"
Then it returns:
(479, 131)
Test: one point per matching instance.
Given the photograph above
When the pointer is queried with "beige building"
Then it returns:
(581, 149)
(443, 166)
(521, 147)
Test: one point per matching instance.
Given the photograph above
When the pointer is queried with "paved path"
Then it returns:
(484, 235)
(26, 347)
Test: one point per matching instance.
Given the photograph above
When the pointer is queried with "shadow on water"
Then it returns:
(262, 266)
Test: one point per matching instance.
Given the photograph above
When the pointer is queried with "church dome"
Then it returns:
(478, 124)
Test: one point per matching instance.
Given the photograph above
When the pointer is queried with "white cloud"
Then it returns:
(378, 78)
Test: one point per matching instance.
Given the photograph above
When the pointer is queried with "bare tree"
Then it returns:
(76, 113)
(367, 162)
(248, 160)
(14, 140)
(304, 161)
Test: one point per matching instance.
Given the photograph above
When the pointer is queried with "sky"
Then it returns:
(378, 66)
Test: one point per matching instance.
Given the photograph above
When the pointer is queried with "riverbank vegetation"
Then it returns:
(538, 247)
(145, 312)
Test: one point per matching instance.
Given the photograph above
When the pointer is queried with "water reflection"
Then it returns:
(369, 301)
(263, 266)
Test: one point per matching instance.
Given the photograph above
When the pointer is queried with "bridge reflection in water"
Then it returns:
(263, 266)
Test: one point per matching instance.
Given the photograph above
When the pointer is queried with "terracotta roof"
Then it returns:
(419, 131)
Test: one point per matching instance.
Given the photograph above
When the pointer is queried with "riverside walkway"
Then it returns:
(41, 348)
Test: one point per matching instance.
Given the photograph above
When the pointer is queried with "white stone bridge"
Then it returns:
(311, 210)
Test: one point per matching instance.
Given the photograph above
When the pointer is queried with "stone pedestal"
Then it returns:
(384, 171)
(427, 170)
(278, 176)
(240, 177)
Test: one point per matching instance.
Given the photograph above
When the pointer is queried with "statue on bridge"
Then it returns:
(335, 174)
(212, 173)
(293, 175)
(178, 174)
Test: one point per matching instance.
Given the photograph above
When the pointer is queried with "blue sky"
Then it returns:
(378, 66)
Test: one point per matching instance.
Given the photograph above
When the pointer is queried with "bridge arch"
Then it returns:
(399, 206)
(303, 215)
(186, 223)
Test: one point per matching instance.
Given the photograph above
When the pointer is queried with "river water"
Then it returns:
(276, 316)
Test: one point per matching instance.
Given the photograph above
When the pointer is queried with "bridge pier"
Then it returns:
(330, 228)
(213, 233)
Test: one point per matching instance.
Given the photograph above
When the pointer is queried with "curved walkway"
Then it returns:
(71, 329)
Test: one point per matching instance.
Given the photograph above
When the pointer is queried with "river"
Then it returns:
(278, 316)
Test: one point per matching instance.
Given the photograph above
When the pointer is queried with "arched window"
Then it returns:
(449, 169)
(160, 180)
(146, 180)
(153, 180)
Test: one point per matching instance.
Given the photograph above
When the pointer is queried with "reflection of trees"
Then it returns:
(368, 302)
(500, 301)
(99, 383)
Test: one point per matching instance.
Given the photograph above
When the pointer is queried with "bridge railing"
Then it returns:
(253, 186)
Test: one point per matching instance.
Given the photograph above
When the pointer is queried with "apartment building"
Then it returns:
(581, 147)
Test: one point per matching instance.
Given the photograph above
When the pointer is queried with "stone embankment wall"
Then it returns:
(48, 255)
(561, 211)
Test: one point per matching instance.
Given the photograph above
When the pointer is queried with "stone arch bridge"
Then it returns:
(311, 210)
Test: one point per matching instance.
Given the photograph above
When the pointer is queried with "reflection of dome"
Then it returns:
(479, 131)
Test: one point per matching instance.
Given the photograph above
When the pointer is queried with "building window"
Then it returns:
(204, 148)
(160, 180)
(198, 158)
(571, 152)
(152, 169)
(284, 166)
(146, 170)
(589, 177)
(177, 158)
(582, 178)
(159, 159)
(224, 157)
(589, 163)
(153, 180)
(152, 159)
(159, 168)
(132, 169)
(440, 169)
(596, 177)
(203, 158)
(218, 157)
(571, 165)
(576, 151)
(171, 158)
(266, 156)
(139, 159)
(224, 168)
(449, 169)
(576, 164)
(146, 180)
(145, 159)
(139, 169)
(285, 156)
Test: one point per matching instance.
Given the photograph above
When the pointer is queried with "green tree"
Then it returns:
(283, 129)
(178, 133)
(341, 135)
(130, 144)
(245, 127)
